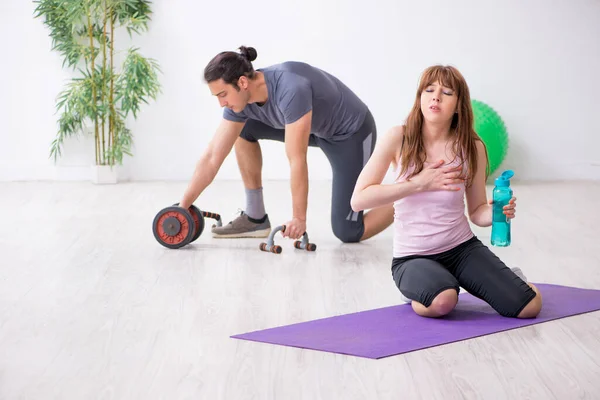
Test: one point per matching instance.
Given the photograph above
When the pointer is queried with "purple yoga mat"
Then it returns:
(397, 329)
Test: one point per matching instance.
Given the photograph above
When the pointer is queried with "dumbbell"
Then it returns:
(271, 247)
(175, 227)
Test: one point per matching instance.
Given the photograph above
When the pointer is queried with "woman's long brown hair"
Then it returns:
(462, 133)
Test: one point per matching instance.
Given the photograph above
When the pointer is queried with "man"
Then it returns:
(301, 106)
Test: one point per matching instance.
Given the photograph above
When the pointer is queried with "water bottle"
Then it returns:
(500, 223)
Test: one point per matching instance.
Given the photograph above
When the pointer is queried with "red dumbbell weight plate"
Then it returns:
(198, 221)
(173, 227)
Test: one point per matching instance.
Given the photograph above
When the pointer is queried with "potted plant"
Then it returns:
(102, 96)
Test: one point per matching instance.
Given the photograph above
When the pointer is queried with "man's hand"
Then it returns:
(294, 229)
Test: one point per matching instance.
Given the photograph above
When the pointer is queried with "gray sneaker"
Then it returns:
(242, 227)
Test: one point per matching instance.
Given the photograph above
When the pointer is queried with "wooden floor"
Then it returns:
(92, 307)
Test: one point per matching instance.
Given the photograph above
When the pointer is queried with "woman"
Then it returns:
(439, 160)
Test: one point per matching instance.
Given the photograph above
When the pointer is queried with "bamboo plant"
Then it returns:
(102, 96)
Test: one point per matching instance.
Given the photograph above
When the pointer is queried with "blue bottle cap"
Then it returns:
(504, 179)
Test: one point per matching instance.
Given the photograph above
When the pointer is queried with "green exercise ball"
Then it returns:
(490, 127)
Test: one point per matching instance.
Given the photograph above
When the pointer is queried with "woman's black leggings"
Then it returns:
(470, 265)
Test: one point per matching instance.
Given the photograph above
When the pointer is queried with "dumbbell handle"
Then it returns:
(215, 216)
(271, 238)
(304, 244)
(270, 248)
(270, 245)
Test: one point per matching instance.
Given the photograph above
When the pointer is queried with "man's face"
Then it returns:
(229, 96)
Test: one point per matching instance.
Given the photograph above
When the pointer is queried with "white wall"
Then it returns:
(536, 62)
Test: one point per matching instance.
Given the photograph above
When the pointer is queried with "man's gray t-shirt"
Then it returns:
(294, 89)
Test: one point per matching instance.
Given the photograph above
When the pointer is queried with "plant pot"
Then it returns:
(104, 174)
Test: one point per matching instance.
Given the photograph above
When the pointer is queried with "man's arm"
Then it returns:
(295, 103)
(211, 160)
(296, 147)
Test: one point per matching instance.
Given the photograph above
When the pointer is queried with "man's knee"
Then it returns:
(347, 233)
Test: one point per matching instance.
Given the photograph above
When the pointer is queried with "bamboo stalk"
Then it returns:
(111, 124)
(96, 133)
(104, 78)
